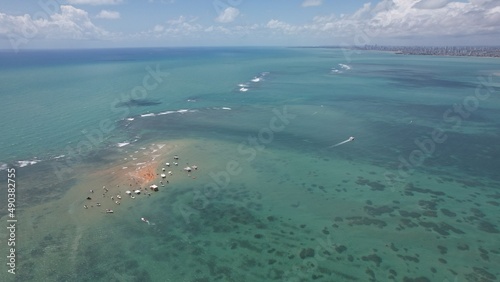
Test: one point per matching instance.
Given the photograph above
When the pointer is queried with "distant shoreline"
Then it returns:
(454, 51)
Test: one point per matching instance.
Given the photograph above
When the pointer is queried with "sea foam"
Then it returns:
(344, 66)
(27, 163)
(165, 113)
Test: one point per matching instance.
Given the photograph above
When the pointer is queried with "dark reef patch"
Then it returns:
(376, 211)
(412, 188)
(442, 250)
(487, 227)
(484, 254)
(409, 258)
(307, 253)
(408, 223)
(493, 203)
(448, 213)
(374, 258)
(480, 274)
(375, 186)
(393, 247)
(462, 246)
(404, 213)
(477, 212)
(427, 205)
(358, 220)
(441, 228)
(429, 213)
(138, 103)
(340, 249)
(417, 279)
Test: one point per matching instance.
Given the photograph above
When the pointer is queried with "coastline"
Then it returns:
(455, 51)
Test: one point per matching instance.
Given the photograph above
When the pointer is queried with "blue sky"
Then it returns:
(136, 23)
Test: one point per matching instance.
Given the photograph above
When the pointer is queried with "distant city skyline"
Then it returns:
(158, 23)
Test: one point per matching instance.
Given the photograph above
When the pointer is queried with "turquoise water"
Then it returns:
(414, 196)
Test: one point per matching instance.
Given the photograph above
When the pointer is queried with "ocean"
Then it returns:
(307, 164)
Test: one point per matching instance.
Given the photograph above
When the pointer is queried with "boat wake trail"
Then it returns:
(343, 142)
(147, 221)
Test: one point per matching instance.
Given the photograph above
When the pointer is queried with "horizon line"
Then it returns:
(252, 46)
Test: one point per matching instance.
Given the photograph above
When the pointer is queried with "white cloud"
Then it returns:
(228, 15)
(403, 19)
(94, 2)
(363, 13)
(180, 20)
(386, 21)
(70, 23)
(158, 28)
(181, 26)
(109, 15)
(219, 29)
(312, 3)
(431, 4)
(284, 27)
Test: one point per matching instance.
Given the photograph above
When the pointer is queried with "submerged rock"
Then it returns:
(306, 253)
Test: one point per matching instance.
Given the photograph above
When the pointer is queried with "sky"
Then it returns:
(164, 23)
